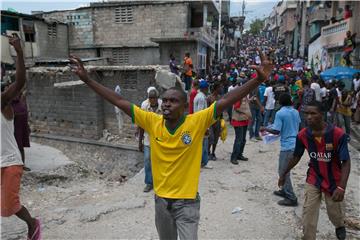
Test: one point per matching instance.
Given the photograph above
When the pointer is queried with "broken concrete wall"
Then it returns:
(73, 109)
(112, 162)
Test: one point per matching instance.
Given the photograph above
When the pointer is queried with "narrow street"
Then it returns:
(236, 200)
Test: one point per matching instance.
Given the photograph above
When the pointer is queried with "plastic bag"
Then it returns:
(269, 138)
(223, 133)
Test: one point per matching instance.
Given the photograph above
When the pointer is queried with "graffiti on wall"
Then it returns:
(319, 57)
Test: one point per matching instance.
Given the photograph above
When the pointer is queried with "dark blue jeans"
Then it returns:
(268, 115)
(205, 152)
(255, 123)
(239, 143)
(147, 166)
(187, 81)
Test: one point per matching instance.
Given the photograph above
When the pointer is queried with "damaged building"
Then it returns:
(41, 39)
(142, 32)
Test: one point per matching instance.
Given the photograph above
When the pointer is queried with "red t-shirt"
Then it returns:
(236, 123)
(191, 101)
(348, 14)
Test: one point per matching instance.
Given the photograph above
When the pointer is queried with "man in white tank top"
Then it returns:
(11, 163)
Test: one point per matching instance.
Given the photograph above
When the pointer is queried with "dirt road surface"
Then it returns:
(236, 200)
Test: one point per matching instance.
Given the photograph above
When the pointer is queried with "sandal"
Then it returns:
(37, 233)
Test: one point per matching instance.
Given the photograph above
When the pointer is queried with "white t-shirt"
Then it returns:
(145, 105)
(10, 154)
(356, 84)
(338, 93)
(258, 60)
(231, 88)
(323, 92)
(200, 102)
(270, 101)
(317, 90)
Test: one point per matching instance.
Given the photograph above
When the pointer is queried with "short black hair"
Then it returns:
(304, 81)
(4, 85)
(316, 104)
(181, 91)
(285, 99)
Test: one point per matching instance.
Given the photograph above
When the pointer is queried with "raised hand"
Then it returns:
(14, 41)
(77, 67)
(264, 70)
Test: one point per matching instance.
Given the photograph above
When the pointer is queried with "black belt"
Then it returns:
(171, 201)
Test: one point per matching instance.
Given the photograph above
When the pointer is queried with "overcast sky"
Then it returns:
(254, 8)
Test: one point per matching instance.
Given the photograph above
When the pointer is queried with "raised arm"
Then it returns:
(263, 72)
(20, 76)
(110, 95)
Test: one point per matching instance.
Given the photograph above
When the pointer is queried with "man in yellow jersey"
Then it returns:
(176, 148)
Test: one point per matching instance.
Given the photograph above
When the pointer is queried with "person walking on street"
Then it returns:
(269, 104)
(307, 96)
(279, 88)
(188, 66)
(200, 103)
(328, 172)
(172, 65)
(241, 118)
(256, 109)
(215, 129)
(151, 104)
(193, 94)
(11, 161)
(21, 125)
(344, 111)
(287, 122)
(176, 143)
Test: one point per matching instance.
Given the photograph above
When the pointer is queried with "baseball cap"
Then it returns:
(203, 84)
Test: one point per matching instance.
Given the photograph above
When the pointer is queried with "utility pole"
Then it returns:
(219, 34)
(303, 29)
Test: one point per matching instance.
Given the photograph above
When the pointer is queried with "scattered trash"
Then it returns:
(237, 210)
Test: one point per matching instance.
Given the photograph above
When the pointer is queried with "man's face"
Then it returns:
(153, 100)
(313, 116)
(205, 90)
(173, 106)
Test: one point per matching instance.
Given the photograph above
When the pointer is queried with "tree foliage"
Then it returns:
(256, 26)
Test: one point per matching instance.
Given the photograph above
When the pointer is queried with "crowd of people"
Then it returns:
(260, 91)
(286, 105)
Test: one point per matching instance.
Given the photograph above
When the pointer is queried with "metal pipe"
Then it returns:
(219, 33)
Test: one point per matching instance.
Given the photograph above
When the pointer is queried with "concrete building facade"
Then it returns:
(142, 32)
(327, 50)
(41, 39)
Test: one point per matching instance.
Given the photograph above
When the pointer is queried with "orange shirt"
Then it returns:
(188, 62)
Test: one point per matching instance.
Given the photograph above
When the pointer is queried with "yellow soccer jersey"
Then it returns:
(175, 155)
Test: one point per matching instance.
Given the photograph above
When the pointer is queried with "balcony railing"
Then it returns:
(322, 14)
(336, 28)
(205, 34)
(333, 35)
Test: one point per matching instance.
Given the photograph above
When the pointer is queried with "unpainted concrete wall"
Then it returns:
(149, 21)
(49, 47)
(77, 111)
